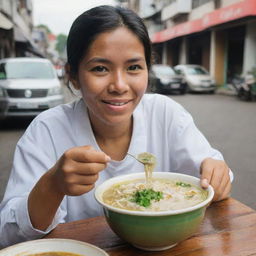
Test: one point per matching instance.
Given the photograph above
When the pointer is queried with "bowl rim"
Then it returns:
(37, 242)
(106, 184)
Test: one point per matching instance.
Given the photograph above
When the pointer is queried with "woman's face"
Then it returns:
(113, 77)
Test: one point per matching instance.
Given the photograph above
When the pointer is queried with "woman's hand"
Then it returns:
(76, 172)
(216, 173)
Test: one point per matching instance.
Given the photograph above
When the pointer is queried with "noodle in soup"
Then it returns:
(164, 195)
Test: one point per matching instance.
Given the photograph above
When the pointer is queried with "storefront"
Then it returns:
(6, 35)
(223, 41)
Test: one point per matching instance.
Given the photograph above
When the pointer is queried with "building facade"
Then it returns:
(16, 27)
(217, 34)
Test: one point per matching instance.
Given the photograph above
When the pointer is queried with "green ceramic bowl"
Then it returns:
(154, 231)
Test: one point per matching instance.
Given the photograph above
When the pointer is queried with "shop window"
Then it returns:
(217, 4)
(197, 3)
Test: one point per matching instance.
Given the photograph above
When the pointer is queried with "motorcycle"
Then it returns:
(245, 87)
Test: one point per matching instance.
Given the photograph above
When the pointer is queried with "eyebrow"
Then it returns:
(103, 60)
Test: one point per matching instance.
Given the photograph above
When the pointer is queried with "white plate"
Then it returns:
(51, 245)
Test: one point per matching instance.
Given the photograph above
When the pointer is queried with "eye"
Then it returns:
(134, 68)
(99, 69)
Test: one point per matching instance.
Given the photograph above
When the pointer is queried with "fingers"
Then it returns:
(77, 170)
(83, 168)
(74, 184)
(216, 173)
(84, 180)
(223, 183)
(86, 154)
(206, 174)
(225, 194)
(204, 183)
(76, 190)
(220, 182)
(81, 181)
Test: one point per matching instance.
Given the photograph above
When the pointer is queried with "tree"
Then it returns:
(45, 27)
(61, 43)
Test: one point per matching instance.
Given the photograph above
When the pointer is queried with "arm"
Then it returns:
(195, 153)
(36, 152)
(74, 174)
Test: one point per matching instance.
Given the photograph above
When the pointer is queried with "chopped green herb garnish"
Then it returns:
(145, 196)
(182, 184)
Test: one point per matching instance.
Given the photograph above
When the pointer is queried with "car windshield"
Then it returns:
(163, 70)
(196, 71)
(26, 70)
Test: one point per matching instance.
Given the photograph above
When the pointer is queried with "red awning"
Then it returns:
(219, 16)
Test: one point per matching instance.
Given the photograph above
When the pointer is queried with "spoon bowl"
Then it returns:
(144, 158)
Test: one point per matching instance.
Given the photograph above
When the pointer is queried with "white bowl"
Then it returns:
(51, 245)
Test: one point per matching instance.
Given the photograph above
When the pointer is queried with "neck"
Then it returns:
(113, 140)
(112, 132)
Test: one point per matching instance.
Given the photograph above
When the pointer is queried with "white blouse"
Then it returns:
(161, 126)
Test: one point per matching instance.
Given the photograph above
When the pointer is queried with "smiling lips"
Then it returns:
(116, 102)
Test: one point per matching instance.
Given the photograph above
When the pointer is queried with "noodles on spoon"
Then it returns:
(149, 161)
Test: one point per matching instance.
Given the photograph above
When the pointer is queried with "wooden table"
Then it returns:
(229, 228)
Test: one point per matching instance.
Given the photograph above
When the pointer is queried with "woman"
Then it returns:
(69, 149)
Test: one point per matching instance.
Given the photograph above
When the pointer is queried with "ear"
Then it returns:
(71, 77)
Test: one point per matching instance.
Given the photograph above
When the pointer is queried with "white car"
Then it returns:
(197, 78)
(28, 86)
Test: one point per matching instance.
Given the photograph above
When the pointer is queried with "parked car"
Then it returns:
(163, 79)
(197, 78)
(28, 86)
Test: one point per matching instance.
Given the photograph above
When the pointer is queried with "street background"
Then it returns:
(227, 122)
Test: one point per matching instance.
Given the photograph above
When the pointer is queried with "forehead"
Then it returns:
(121, 42)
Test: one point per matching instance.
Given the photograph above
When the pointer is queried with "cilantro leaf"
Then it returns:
(145, 196)
(182, 184)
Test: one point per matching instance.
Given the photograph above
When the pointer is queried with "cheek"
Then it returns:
(90, 85)
(140, 83)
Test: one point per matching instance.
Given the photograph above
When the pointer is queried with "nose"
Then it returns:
(118, 83)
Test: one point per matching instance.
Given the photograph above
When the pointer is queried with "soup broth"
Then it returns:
(164, 195)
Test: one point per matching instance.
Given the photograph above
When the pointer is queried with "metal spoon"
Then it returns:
(144, 158)
(134, 157)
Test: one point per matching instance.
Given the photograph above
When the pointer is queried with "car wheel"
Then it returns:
(189, 89)
(154, 88)
(184, 90)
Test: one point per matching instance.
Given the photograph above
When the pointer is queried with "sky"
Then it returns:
(58, 15)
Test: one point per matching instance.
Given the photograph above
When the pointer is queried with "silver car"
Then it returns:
(28, 86)
(197, 78)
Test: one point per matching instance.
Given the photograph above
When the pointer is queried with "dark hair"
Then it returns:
(99, 20)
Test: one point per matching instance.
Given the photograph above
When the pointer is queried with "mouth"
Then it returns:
(116, 102)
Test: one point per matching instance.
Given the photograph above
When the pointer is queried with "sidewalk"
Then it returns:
(229, 90)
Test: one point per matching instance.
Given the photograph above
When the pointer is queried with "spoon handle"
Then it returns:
(134, 157)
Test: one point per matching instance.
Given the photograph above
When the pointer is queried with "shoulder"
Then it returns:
(160, 104)
(61, 113)
(54, 120)
(158, 100)
(63, 109)
(165, 110)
